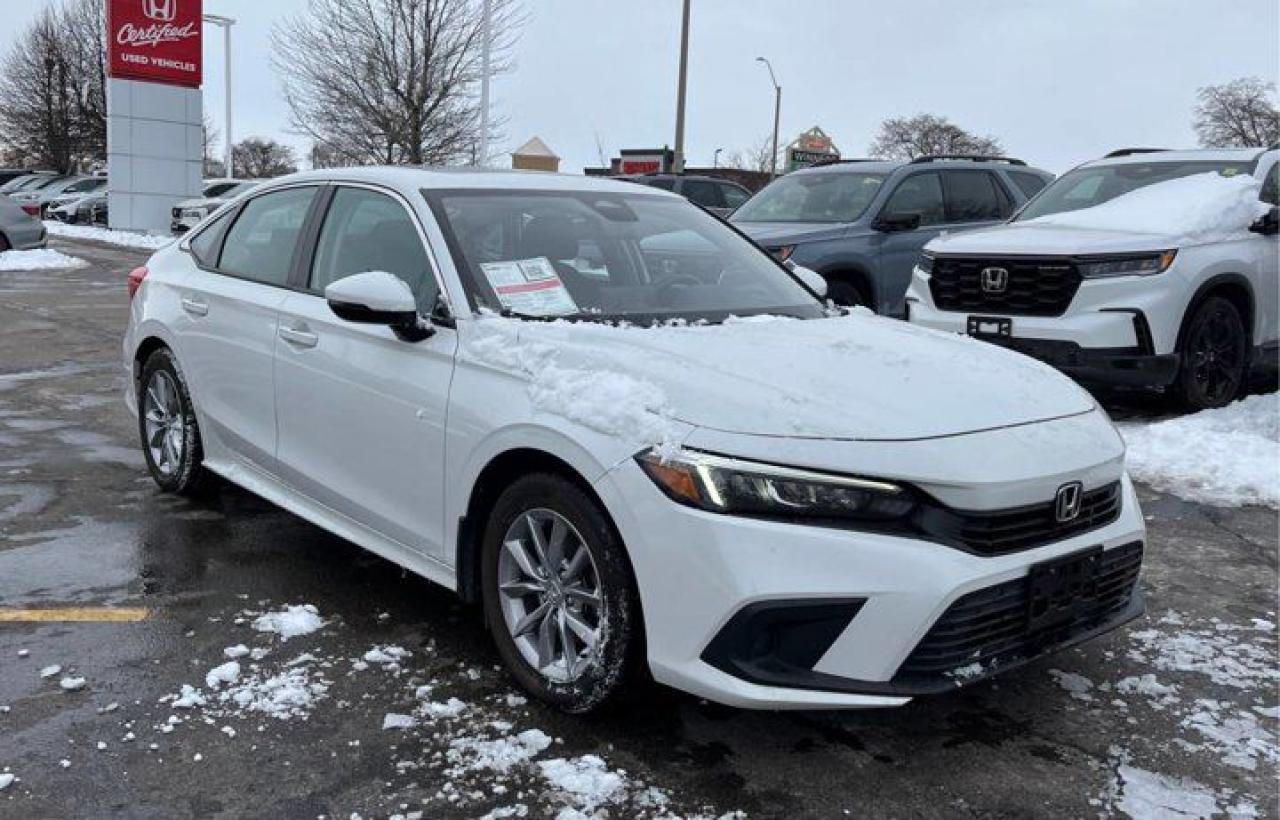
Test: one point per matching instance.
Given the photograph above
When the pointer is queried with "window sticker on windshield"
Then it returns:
(529, 286)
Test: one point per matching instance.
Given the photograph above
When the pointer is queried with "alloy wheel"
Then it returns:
(1217, 357)
(550, 595)
(165, 426)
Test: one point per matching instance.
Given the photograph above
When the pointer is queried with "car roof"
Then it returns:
(880, 166)
(468, 178)
(1144, 156)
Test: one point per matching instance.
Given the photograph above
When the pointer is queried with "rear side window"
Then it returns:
(1271, 186)
(261, 243)
(368, 231)
(972, 196)
(204, 247)
(1029, 184)
(733, 195)
(665, 183)
(706, 194)
(918, 194)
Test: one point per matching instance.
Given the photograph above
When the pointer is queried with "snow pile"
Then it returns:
(499, 755)
(43, 259)
(1199, 208)
(123, 239)
(290, 622)
(1228, 457)
(1214, 650)
(1077, 685)
(586, 783)
(6, 780)
(1146, 795)
(1234, 735)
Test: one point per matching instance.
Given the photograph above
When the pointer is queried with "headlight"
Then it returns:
(735, 486)
(783, 253)
(1126, 265)
(926, 262)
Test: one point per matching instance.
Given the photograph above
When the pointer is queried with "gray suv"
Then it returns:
(862, 223)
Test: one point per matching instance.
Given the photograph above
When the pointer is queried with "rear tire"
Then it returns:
(4, 243)
(1215, 356)
(846, 294)
(558, 593)
(168, 429)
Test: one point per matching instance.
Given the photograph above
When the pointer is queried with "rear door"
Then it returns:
(230, 305)
(362, 413)
(1267, 279)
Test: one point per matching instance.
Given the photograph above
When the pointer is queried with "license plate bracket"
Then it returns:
(996, 327)
(1060, 590)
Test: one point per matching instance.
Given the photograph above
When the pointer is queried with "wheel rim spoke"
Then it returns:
(546, 640)
(584, 633)
(521, 589)
(584, 596)
(579, 562)
(537, 541)
(531, 621)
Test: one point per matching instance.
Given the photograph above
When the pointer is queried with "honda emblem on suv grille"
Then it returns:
(995, 280)
(1066, 506)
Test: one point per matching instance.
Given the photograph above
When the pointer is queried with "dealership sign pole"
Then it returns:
(155, 138)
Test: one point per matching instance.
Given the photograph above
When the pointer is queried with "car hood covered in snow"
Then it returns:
(858, 377)
(1048, 240)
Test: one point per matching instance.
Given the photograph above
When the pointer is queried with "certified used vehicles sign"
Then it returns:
(155, 40)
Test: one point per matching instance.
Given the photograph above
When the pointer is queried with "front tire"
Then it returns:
(167, 427)
(846, 294)
(558, 593)
(1214, 356)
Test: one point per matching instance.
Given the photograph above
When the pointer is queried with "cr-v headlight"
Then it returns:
(1145, 265)
(729, 485)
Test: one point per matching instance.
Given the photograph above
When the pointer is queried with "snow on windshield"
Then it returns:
(1199, 208)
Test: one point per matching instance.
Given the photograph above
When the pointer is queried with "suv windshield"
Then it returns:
(832, 196)
(638, 257)
(1086, 187)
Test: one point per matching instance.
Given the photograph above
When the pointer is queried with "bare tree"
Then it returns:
(53, 98)
(391, 81)
(906, 138)
(211, 138)
(1238, 114)
(257, 158)
(755, 158)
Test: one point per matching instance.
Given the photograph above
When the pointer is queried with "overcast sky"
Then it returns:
(1056, 81)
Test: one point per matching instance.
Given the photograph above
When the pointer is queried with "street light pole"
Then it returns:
(677, 164)
(482, 155)
(226, 23)
(715, 158)
(777, 113)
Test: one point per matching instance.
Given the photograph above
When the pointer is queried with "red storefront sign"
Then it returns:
(158, 41)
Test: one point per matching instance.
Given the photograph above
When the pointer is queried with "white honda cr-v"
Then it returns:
(632, 436)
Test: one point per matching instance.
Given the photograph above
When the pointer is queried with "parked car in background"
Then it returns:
(862, 223)
(651, 481)
(1126, 295)
(68, 202)
(30, 182)
(43, 195)
(188, 213)
(719, 196)
(8, 175)
(18, 229)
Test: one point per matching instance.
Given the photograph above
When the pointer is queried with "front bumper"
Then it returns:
(1118, 367)
(872, 600)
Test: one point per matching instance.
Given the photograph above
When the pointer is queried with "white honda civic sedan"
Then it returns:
(640, 443)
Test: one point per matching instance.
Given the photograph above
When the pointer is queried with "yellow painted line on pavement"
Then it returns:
(74, 615)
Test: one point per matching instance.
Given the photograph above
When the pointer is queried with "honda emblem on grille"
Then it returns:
(1066, 506)
(995, 280)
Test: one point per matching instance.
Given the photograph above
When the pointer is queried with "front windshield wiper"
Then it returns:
(508, 313)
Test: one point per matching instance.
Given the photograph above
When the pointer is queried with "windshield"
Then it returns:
(833, 196)
(1087, 187)
(637, 257)
(86, 185)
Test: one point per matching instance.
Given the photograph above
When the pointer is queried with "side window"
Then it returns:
(1271, 186)
(261, 243)
(665, 183)
(972, 197)
(368, 231)
(733, 195)
(704, 193)
(1029, 184)
(918, 194)
(204, 246)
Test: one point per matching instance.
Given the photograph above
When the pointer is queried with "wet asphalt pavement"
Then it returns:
(1081, 734)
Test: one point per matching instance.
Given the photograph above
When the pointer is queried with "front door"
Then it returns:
(362, 413)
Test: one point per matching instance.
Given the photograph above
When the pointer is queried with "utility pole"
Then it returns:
(486, 49)
(715, 158)
(777, 113)
(226, 23)
(677, 165)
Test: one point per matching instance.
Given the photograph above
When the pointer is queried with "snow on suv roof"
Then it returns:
(405, 178)
(1197, 155)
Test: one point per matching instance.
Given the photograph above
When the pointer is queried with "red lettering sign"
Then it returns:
(640, 166)
(158, 41)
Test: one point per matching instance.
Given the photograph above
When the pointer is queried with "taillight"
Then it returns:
(32, 208)
(135, 280)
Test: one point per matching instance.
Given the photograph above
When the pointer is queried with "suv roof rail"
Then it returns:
(1127, 152)
(970, 157)
(826, 162)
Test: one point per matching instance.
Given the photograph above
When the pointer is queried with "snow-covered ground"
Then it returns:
(1227, 457)
(123, 239)
(43, 259)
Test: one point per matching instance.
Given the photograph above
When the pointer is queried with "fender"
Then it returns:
(1217, 280)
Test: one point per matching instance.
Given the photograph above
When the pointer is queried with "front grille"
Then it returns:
(990, 627)
(1036, 287)
(1004, 531)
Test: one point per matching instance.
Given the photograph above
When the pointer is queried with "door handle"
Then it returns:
(299, 337)
(194, 306)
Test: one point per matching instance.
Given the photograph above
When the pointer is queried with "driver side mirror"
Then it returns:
(1268, 224)
(813, 280)
(378, 298)
(893, 223)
